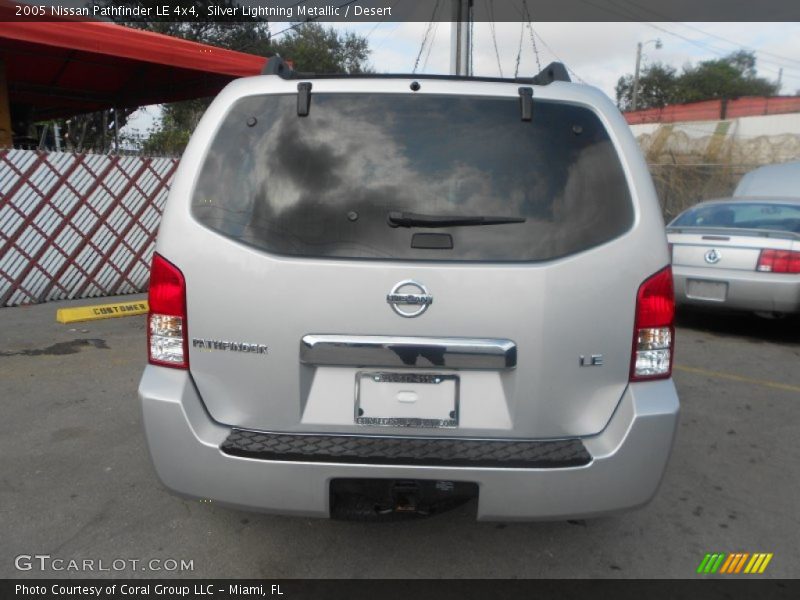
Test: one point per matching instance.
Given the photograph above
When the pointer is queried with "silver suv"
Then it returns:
(379, 296)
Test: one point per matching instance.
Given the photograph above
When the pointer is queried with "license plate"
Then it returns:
(702, 289)
(406, 400)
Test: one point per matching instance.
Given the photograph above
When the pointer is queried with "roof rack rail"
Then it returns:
(277, 66)
(555, 71)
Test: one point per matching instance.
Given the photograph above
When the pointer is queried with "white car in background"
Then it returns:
(773, 181)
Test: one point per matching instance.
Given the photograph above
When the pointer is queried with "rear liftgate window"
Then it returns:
(413, 177)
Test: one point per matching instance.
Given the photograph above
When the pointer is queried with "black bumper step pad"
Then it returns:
(450, 452)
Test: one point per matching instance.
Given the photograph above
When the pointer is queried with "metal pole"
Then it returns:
(105, 131)
(43, 139)
(635, 101)
(57, 135)
(460, 41)
(116, 132)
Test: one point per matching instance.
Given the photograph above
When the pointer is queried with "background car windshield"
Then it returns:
(743, 215)
(323, 185)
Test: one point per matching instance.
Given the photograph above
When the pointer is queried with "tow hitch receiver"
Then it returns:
(405, 496)
(392, 499)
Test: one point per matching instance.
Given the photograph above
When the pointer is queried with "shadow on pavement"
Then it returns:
(784, 330)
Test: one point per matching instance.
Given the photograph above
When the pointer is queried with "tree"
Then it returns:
(310, 46)
(171, 134)
(178, 119)
(313, 48)
(729, 77)
(94, 131)
(657, 87)
(732, 76)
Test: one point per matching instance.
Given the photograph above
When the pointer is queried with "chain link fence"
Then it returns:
(680, 186)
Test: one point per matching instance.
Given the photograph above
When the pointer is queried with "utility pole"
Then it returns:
(635, 101)
(780, 79)
(460, 42)
(639, 46)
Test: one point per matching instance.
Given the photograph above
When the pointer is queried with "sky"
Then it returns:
(596, 53)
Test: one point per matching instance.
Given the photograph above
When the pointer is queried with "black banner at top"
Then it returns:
(400, 10)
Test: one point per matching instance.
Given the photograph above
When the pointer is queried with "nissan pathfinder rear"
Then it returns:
(382, 295)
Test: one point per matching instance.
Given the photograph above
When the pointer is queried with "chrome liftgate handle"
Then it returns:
(416, 352)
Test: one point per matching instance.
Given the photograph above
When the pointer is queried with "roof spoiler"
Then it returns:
(555, 71)
(276, 65)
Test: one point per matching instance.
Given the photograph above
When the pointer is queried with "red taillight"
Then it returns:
(654, 331)
(167, 340)
(779, 261)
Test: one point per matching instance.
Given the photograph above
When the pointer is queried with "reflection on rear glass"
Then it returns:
(292, 185)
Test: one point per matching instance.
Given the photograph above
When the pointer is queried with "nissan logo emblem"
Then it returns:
(409, 293)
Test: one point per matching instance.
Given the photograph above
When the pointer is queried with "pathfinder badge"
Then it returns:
(229, 346)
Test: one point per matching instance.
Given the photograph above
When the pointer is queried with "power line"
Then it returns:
(628, 15)
(571, 71)
(709, 34)
(522, 14)
(371, 31)
(519, 48)
(721, 52)
(296, 25)
(387, 36)
(533, 37)
(430, 47)
(425, 36)
(750, 48)
(725, 52)
(625, 13)
(422, 45)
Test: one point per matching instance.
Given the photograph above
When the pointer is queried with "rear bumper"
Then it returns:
(747, 290)
(627, 461)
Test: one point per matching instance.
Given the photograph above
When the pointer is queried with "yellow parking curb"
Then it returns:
(101, 311)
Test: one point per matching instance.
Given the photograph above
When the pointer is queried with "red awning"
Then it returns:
(70, 67)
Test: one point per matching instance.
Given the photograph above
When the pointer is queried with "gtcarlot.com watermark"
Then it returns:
(46, 562)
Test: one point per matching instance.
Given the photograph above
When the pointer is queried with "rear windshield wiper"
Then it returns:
(404, 219)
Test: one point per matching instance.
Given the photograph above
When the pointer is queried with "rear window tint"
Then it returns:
(323, 185)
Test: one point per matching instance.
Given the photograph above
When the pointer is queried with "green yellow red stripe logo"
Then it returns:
(734, 563)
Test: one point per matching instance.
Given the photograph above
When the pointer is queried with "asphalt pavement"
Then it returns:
(76, 481)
